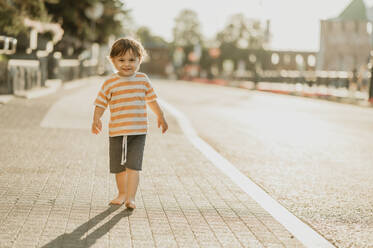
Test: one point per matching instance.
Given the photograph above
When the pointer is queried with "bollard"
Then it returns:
(371, 87)
(5, 87)
(7, 47)
(68, 69)
(43, 61)
(23, 75)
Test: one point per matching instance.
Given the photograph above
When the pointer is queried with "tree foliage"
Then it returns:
(187, 29)
(148, 39)
(239, 39)
(79, 29)
(13, 12)
(242, 32)
(77, 25)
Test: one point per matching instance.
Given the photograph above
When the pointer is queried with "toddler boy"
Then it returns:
(127, 93)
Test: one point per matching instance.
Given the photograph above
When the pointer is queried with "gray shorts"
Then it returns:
(135, 151)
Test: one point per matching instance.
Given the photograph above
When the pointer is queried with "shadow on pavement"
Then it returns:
(73, 239)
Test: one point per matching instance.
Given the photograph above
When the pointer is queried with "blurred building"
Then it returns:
(157, 60)
(289, 60)
(345, 41)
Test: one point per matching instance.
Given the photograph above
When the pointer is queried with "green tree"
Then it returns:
(79, 29)
(187, 29)
(13, 12)
(148, 39)
(238, 37)
(242, 32)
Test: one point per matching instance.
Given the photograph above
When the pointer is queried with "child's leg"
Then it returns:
(133, 178)
(121, 179)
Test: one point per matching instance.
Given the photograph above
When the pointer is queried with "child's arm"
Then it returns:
(154, 106)
(97, 125)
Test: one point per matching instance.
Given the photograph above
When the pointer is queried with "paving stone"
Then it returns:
(56, 187)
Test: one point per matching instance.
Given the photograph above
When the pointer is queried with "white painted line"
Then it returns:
(51, 87)
(5, 98)
(304, 233)
(35, 93)
(74, 84)
(81, 82)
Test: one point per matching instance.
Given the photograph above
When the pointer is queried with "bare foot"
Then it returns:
(130, 205)
(119, 200)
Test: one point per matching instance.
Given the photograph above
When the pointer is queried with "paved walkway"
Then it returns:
(55, 187)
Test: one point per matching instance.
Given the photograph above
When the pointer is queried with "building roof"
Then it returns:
(355, 11)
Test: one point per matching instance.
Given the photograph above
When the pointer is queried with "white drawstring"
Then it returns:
(124, 150)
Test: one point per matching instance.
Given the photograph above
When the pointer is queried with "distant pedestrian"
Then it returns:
(127, 92)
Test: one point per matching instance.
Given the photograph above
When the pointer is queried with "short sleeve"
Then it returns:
(102, 98)
(149, 93)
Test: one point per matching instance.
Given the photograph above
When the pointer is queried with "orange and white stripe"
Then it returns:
(126, 97)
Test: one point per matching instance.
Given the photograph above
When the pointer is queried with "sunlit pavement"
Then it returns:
(314, 157)
(55, 185)
(324, 92)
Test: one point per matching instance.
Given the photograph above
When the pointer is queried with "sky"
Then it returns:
(295, 24)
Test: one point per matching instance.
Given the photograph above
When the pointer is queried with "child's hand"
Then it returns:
(162, 122)
(96, 126)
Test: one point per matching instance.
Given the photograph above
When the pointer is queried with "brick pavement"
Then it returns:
(55, 188)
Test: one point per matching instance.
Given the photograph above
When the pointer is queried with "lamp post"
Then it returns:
(93, 13)
(370, 98)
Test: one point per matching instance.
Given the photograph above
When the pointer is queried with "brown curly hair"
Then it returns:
(122, 45)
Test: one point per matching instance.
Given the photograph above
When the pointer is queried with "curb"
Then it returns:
(5, 98)
(319, 96)
(52, 85)
(301, 230)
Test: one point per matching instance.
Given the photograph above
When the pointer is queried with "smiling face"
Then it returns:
(126, 64)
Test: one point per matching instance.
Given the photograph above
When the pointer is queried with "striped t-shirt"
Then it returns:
(127, 97)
